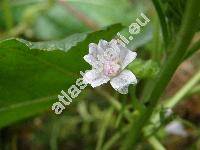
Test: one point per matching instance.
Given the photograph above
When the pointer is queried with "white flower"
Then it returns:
(176, 128)
(108, 61)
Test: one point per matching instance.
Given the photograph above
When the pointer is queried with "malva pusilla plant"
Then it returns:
(179, 50)
(135, 115)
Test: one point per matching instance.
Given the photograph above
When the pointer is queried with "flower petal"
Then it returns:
(130, 56)
(126, 56)
(176, 128)
(122, 81)
(89, 59)
(102, 43)
(93, 48)
(93, 58)
(95, 78)
(113, 42)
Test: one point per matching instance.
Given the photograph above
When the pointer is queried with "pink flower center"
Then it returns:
(111, 68)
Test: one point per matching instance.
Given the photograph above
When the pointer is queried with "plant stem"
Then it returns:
(111, 99)
(181, 44)
(162, 21)
(170, 103)
(116, 137)
(102, 130)
(193, 49)
(156, 144)
(194, 90)
(183, 91)
(115, 103)
(152, 140)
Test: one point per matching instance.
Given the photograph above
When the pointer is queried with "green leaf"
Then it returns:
(61, 19)
(142, 38)
(144, 69)
(33, 74)
(64, 44)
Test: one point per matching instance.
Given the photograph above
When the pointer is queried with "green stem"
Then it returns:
(115, 103)
(116, 137)
(163, 22)
(102, 130)
(54, 136)
(194, 90)
(183, 91)
(156, 144)
(152, 140)
(193, 49)
(110, 98)
(183, 40)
